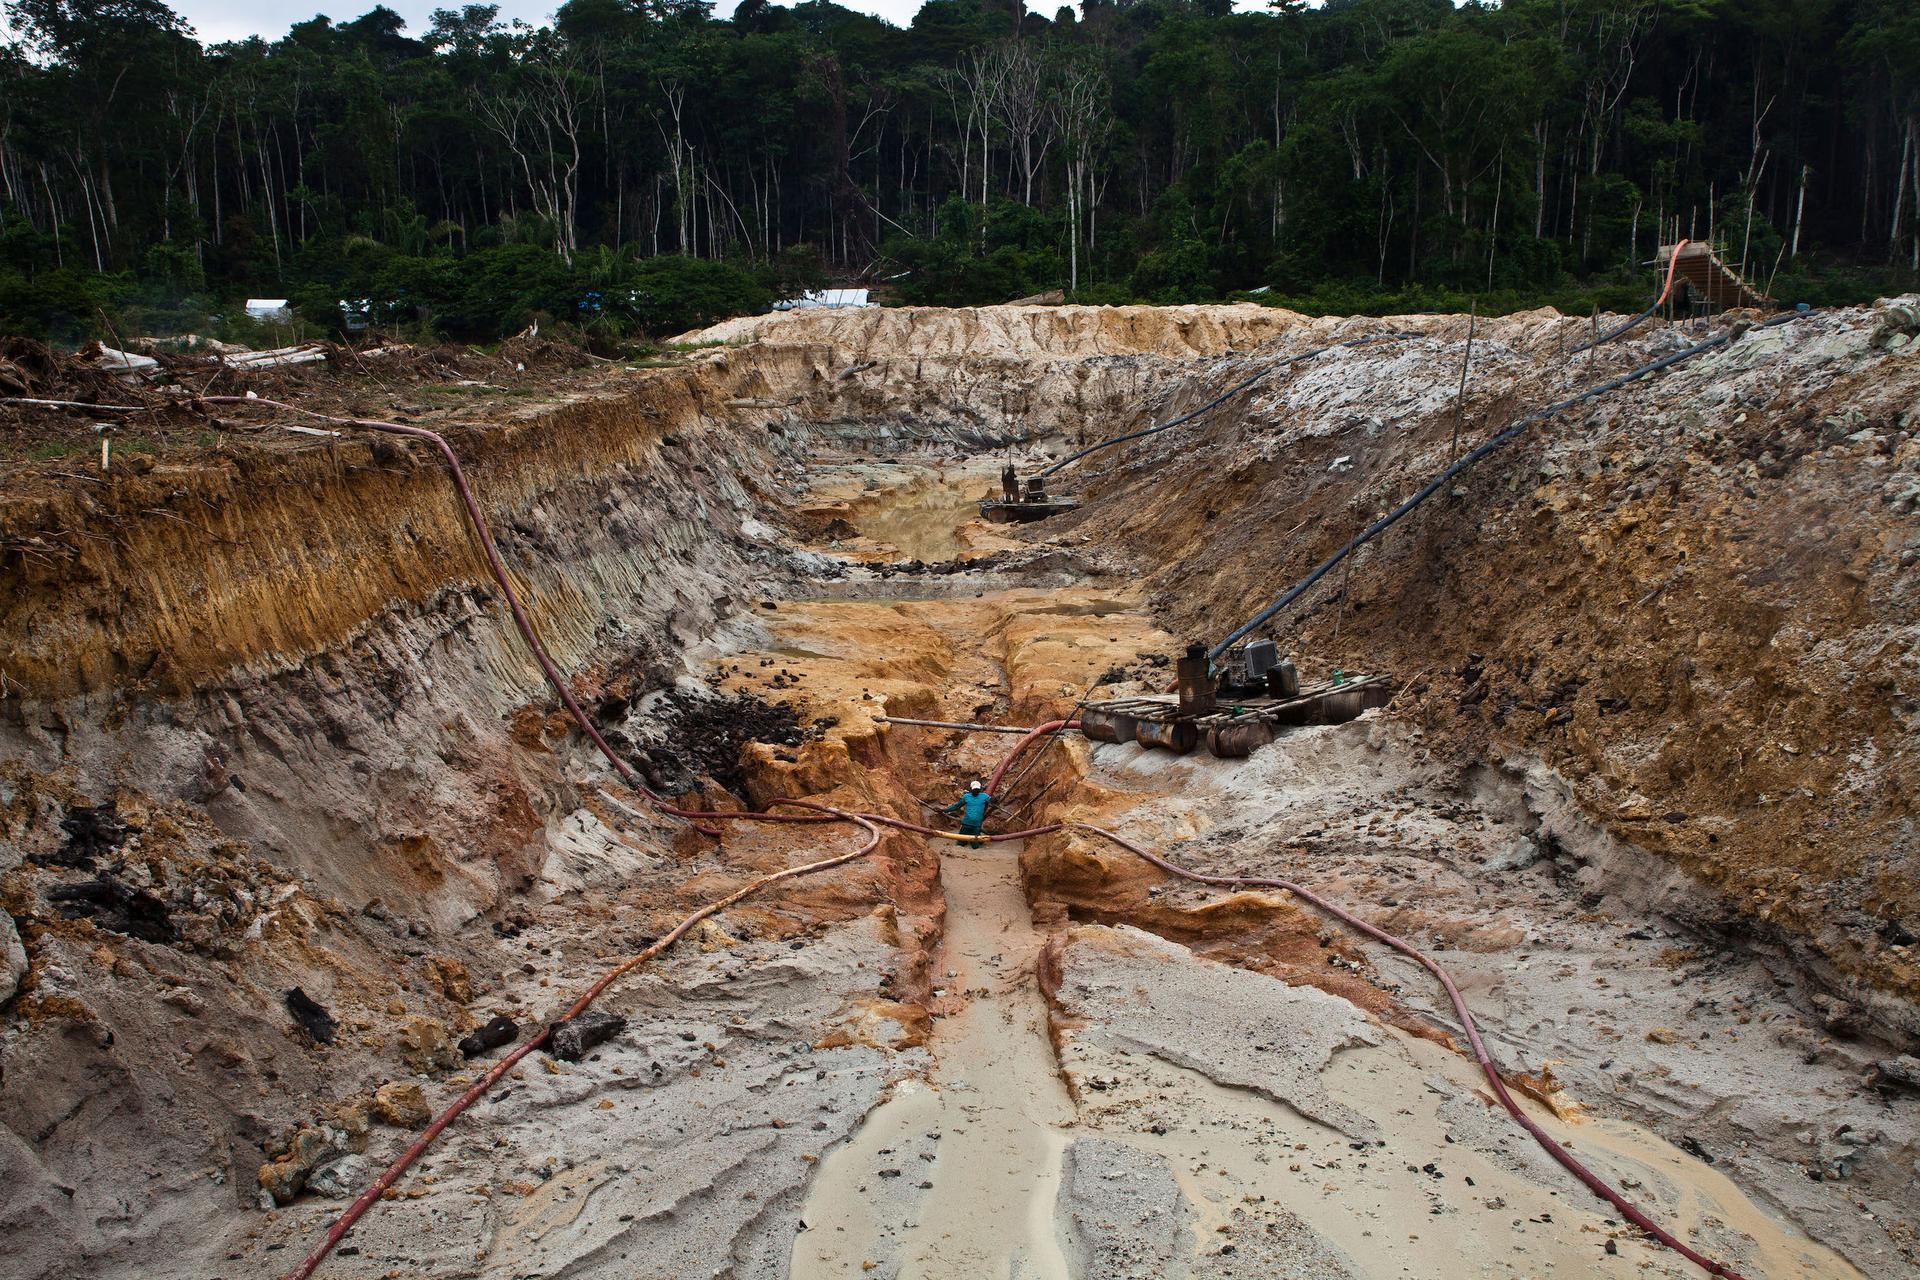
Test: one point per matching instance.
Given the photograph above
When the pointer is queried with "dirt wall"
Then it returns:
(1694, 598)
(307, 643)
(974, 376)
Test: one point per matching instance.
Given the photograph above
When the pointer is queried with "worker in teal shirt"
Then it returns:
(975, 803)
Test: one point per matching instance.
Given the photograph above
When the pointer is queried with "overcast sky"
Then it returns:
(218, 20)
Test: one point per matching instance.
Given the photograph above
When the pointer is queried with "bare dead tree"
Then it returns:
(673, 94)
(1082, 100)
(973, 93)
(540, 121)
(1026, 109)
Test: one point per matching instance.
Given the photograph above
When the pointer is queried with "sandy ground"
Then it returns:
(958, 1176)
(1310, 1143)
(1049, 1062)
(889, 513)
(1219, 1121)
(1576, 953)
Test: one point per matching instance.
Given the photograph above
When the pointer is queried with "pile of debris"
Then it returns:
(33, 370)
(943, 568)
(705, 736)
(130, 866)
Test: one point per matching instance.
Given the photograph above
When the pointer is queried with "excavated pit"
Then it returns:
(264, 730)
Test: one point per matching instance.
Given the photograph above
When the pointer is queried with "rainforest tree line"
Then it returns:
(643, 164)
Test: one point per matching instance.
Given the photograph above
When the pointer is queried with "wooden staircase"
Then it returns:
(1711, 280)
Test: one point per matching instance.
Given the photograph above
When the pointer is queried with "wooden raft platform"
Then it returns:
(1240, 726)
(999, 511)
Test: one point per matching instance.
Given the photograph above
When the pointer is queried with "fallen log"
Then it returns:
(306, 353)
(124, 363)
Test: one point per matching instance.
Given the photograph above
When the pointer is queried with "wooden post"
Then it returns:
(1460, 396)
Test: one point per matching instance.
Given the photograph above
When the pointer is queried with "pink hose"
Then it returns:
(495, 564)
(872, 823)
(1566, 1158)
(1673, 266)
(1051, 726)
(391, 1174)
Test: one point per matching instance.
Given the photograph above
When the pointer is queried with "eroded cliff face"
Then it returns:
(306, 642)
(1694, 598)
(301, 637)
(973, 376)
(1668, 639)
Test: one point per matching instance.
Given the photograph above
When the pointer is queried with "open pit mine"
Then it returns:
(1447, 802)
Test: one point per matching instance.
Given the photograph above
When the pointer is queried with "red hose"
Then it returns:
(1566, 1158)
(1673, 265)
(1051, 726)
(829, 813)
(391, 1174)
(495, 564)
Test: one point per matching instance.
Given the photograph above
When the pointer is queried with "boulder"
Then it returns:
(13, 959)
(402, 1104)
(426, 1047)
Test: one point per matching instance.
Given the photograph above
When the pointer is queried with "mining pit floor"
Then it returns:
(1155, 1112)
(1034, 1060)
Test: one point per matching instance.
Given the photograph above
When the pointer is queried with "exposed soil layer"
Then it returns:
(287, 819)
(1695, 598)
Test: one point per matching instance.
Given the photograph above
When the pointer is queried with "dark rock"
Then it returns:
(111, 903)
(708, 735)
(92, 832)
(498, 1031)
(311, 1015)
(570, 1040)
(1897, 1075)
(1691, 1145)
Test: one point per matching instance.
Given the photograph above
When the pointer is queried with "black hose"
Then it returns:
(1223, 397)
(1666, 291)
(1432, 486)
(1605, 338)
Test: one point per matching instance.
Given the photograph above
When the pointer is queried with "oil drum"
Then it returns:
(1240, 738)
(1177, 736)
(1104, 725)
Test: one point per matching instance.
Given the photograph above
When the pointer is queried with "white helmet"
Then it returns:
(973, 786)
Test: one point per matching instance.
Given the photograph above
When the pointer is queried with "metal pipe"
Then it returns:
(953, 724)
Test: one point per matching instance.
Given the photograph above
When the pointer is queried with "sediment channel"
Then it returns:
(1032, 1059)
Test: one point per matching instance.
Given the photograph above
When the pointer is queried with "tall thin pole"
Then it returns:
(1460, 396)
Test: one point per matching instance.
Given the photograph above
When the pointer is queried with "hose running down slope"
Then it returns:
(1223, 397)
(1666, 291)
(1434, 485)
(817, 812)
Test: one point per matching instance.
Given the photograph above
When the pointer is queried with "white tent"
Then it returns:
(831, 298)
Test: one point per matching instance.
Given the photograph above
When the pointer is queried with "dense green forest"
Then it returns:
(642, 165)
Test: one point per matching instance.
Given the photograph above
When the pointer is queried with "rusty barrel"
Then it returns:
(1177, 736)
(1239, 738)
(1337, 706)
(1103, 725)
